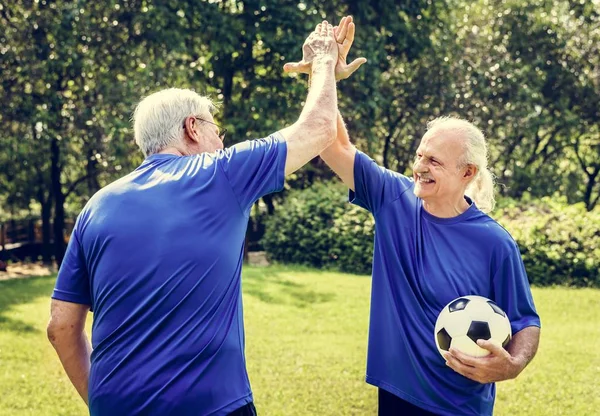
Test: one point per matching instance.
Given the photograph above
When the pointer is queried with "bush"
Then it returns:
(559, 243)
(318, 227)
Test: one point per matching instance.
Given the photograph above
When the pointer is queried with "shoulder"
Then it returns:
(494, 234)
(369, 165)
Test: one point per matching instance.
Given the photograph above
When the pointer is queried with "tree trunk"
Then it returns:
(589, 188)
(59, 201)
(46, 237)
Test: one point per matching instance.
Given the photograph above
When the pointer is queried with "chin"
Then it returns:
(418, 191)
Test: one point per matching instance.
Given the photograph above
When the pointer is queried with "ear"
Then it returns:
(470, 172)
(189, 131)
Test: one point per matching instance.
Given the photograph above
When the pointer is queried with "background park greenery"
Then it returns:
(528, 73)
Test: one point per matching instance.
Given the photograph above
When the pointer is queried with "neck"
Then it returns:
(173, 151)
(443, 209)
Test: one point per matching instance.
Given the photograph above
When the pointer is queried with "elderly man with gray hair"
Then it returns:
(157, 255)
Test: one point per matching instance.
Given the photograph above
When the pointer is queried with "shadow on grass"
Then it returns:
(270, 286)
(18, 291)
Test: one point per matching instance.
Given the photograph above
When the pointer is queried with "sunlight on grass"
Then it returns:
(306, 336)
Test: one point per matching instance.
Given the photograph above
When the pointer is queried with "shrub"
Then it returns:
(318, 227)
(559, 243)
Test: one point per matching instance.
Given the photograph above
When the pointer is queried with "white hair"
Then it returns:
(158, 119)
(481, 188)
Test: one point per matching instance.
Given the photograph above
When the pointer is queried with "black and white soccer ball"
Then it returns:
(467, 319)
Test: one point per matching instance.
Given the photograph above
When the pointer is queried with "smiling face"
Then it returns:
(438, 178)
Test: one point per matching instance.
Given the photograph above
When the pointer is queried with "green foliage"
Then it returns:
(560, 243)
(318, 227)
(72, 72)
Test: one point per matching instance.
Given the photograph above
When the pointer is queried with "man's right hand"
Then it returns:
(344, 35)
(319, 46)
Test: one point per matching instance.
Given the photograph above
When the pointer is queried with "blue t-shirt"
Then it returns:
(421, 263)
(158, 255)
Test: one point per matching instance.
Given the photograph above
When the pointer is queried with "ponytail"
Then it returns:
(481, 190)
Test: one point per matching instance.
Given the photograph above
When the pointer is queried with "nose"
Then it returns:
(419, 166)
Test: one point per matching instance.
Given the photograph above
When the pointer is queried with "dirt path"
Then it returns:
(20, 270)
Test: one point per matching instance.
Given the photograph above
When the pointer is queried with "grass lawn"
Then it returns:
(306, 334)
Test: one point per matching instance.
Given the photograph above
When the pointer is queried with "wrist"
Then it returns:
(323, 62)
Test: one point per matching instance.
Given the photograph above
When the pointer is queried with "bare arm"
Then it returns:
(340, 155)
(315, 128)
(66, 332)
(524, 346)
(501, 364)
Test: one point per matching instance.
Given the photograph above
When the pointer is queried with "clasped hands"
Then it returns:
(322, 42)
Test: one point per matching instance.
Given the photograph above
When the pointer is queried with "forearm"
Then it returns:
(315, 129)
(523, 346)
(340, 155)
(320, 109)
(74, 352)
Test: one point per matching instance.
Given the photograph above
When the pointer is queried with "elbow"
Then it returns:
(330, 133)
(327, 131)
(321, 126)
(54, 332)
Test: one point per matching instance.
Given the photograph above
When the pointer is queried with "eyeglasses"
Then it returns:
(220, 133)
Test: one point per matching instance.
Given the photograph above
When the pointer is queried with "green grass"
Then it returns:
(306, 336)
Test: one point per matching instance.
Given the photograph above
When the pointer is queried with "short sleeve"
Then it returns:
(375, 185)
(73, 283)
(513, 293)
(255, 168)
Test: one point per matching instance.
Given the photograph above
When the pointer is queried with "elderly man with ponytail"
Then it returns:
(434, 242)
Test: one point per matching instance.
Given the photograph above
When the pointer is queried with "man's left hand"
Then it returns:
(497, 366)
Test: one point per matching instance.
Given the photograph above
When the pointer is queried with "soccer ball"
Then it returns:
(469, 318)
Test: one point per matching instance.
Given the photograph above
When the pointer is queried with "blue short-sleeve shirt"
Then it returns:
(420, 263)
(157, 255)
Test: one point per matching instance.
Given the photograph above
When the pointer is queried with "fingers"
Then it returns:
(317, 29)
(351, 29)
(297, 67)
(324, 27)
(458, 366)
(343, 29)
(354, 65)
(464, 359)
(492, 346)
(330, 32)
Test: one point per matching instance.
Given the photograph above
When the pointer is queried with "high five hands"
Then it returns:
(344, 36)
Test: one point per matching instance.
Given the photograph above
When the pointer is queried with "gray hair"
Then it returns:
(481, 188)
(158, 119)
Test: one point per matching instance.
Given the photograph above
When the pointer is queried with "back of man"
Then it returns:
(157, 255)
(163, 247)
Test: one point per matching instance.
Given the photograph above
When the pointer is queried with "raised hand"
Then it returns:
(320, 44)
(344, 35)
